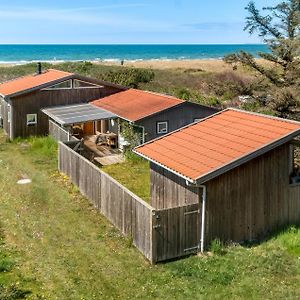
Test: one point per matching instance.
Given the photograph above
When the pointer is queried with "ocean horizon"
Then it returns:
(21, 54)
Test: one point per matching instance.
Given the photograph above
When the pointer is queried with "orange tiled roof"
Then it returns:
(134, 105)
(215, 142)
(31, 81)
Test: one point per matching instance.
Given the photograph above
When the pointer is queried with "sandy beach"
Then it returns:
(211, 65)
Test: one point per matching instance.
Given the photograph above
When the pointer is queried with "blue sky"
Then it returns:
(125, 21)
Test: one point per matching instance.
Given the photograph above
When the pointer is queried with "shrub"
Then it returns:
(217, 247)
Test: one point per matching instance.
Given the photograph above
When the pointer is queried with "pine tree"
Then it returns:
(279, 28)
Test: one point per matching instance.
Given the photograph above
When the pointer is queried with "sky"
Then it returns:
(125, 22)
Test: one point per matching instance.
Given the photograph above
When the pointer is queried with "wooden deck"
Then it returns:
(104, 155)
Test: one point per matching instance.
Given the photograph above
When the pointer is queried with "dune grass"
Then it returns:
(54, 245)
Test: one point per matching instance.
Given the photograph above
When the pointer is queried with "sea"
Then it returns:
(20, 54)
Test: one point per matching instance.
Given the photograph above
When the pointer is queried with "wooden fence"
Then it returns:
(159, 234)
(130, 214)
(60, 134)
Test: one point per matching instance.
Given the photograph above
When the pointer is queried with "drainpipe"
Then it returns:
(203, 217)
(202, 226)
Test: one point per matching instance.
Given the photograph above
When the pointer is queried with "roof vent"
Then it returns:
(39, 68)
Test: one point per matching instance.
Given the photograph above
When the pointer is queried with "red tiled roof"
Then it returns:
(134, 105)
(200, 149)
(31, 81)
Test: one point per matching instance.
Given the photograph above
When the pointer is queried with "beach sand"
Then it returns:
(210, 65)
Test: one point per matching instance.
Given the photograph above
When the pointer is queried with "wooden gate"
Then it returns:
(176, 232)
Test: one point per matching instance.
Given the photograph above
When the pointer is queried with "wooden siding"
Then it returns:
(168, 190)
(34, 102)
(130, 214)
(177, 117)
(251, 201)
(4, 106)
(244, 204)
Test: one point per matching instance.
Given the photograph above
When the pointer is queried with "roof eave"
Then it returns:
(190, 180)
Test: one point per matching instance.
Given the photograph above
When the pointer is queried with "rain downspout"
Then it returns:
(202, 225)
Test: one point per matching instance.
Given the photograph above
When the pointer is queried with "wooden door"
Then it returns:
(176, 232)
(88, 128)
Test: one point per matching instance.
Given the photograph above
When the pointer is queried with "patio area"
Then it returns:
(104, 149)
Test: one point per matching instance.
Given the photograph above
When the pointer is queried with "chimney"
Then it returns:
(39, 68)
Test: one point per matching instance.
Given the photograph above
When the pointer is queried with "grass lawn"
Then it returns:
(54, 245)
(133, 174)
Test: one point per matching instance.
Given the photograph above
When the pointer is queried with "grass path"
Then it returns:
(56, 246)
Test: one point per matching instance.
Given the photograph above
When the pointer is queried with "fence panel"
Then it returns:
(130, 214)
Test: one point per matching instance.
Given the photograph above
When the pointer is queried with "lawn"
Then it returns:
(134, 174)
(54, 245)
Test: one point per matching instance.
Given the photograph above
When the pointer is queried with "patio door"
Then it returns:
(88, 128)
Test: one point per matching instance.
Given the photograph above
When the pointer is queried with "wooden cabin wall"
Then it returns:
(177, 117)
(34, 102)
(250, 201)
(4, 107)
(168, 190)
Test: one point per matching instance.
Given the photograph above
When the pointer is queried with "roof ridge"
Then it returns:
(159, 94)
(264, 115)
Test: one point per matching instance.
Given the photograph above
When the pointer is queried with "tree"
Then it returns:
(279, 28)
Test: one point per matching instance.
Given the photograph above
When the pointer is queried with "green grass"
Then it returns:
(134, 174)
(56, 246)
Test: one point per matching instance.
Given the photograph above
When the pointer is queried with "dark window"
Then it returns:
(83, 84)
(62, 85)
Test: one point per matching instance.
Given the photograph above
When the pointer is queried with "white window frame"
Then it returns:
(51, 88)
(31, 122)
(95, 86)
(165, 130)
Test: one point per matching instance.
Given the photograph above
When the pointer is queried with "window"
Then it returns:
(295, 162)
(31, 119)
(61, 86)
(162, 127)
(79, 84)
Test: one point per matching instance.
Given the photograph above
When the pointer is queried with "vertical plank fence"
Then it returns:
(130, 214)
(59, 134)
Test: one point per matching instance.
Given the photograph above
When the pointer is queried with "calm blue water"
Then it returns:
(27, 53)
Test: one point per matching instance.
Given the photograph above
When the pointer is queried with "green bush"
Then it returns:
(217, 247)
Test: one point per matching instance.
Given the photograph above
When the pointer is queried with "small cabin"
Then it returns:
(22, 99)
(241, 168)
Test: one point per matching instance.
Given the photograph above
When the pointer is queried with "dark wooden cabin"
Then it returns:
(241, 168)
(22, 99)
(154, 114)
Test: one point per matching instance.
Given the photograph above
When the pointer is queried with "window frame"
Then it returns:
(160, 123)
(51, 87)
(95, 86)
(31, 123)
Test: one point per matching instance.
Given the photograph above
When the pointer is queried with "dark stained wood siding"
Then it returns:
(4, 113)
(250, 201)
(177, 117)
(35, 101)
(168, 190)
(246, 203)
